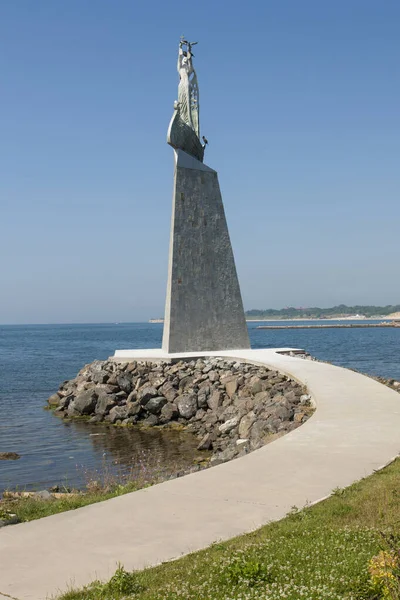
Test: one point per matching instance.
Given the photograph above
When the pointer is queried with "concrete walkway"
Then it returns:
(355, 430)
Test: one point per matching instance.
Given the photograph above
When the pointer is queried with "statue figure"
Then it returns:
(184, 128)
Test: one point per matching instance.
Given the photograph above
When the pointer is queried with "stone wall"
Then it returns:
(232, 407)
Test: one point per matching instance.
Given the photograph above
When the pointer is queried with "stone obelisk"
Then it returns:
(204, 309)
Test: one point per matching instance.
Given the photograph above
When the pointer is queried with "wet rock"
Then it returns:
(151, 421)
(54, 400)
(85, 402)
(117, 413)
(133, 408)
(104, 404)
(9, 456)
(169, 412)
(96, 419)
(64, 402)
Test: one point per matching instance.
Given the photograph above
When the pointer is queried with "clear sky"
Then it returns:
(299, 101)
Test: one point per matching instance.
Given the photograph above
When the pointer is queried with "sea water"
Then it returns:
(35, 359)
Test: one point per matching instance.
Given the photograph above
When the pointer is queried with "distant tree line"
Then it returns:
(323, 313)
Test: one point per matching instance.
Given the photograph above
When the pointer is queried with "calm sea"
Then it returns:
(35, 359)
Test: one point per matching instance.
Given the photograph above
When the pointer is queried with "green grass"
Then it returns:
(29, 509)
(317, 553)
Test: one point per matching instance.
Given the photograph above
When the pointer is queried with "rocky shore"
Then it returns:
(231, 407)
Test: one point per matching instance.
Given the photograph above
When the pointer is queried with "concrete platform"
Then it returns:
(354, 431)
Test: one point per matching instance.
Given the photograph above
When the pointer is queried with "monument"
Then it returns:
(204, 309)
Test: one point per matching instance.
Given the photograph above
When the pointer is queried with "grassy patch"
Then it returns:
(322, 552)
(29, 509)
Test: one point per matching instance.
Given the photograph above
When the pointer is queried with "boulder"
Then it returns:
(100, 376)
(187, 405)
(151, 421)
(169, 391)
(229, 425)
(104, 404)
(146, 393)
(117, 413)
(54, 400)
(125, 383)
(133, 408)
(169, 412)
(85, 402)
(154, 405)
(107, 388)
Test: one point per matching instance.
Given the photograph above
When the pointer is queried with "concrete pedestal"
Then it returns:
(204, 309)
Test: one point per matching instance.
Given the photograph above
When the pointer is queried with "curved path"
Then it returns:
(355, 430)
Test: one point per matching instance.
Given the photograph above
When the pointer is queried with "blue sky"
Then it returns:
(299, 101)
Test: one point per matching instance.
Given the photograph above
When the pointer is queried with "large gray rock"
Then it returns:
(118, 413)
(133, 408)
(169, 412)
(125, 383)
(85, 402)
(104, 404)
(154, 405)
(168, 391)
(187, 405)
(100, 376)
(246, 424)
(146, 393)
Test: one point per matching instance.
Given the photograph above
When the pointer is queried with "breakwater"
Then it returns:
(231, 407)
(332, 326)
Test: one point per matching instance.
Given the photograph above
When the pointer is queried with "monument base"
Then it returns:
(204, 310)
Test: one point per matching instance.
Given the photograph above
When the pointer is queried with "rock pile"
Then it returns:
(232, 407)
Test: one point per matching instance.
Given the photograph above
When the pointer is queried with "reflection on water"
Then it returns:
(129, 450)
